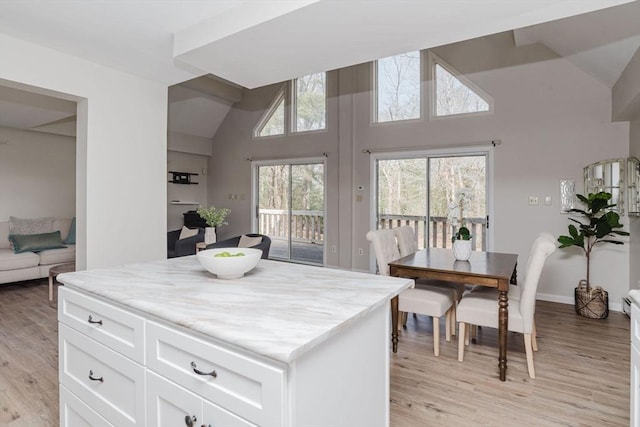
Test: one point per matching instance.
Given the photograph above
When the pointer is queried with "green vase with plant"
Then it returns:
(214, 217)
(598, 226)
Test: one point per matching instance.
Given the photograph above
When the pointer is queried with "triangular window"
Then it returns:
(272, 122)
(455, 94)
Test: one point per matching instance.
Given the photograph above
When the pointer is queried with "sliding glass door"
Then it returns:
(289, 205)
(434, 194)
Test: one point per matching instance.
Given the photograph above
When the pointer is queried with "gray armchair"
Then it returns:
(233, 242)
(182, 247)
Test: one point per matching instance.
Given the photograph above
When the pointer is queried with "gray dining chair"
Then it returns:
(477, 309)
(431, 301)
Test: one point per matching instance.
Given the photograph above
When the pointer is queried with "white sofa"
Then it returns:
(29, 265)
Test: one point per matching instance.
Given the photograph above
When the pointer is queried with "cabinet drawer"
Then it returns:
(635, 325)
(168, 404)
(248, 388)
(75, 413)
(117, 389)
(116, 328)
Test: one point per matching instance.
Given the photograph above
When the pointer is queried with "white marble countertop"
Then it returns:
(634, 294)
(278, 310)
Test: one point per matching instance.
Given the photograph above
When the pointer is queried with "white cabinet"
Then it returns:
(635, 365)
(169, 405)
(121, 367)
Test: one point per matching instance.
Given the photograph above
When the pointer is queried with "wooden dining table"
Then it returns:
(490, 269)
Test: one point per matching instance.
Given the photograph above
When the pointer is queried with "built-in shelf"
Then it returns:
(182, 177)
(181, 202)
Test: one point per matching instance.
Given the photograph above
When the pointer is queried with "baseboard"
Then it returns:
(569, 300)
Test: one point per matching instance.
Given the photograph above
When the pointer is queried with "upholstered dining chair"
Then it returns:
(430, 301)
(408, 244)
(480, 310)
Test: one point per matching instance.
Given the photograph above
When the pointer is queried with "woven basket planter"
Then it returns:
(594, 303)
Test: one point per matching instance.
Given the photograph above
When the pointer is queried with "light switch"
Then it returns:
(547, 200)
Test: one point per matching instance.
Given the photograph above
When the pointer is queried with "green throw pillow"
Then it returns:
(36, 242)
(71, 237)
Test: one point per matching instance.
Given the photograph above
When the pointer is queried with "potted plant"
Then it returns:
(214, 217)
(462, 244)
(597, 227)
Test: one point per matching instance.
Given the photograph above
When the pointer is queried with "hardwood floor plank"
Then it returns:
(582, 370)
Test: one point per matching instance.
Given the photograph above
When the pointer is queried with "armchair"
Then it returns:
(177, 247)
(233, 242)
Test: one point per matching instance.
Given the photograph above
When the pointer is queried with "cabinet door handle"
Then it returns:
(189, 420)
(199, 372)
(94, 321)
(92, 378)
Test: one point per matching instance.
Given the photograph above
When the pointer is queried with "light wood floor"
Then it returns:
(582, 371)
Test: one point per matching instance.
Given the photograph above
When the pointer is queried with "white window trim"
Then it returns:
(426, 153)
(374, 89)
(266, 116)
(293, 110)
(255, 164)
(434, 59)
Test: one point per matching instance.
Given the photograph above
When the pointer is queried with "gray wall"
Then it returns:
(37, 174)
(552, 119)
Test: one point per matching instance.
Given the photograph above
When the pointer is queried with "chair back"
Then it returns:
(385, 248)
(407, 242)
(543, 246)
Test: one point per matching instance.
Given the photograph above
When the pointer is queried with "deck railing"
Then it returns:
(308, 226)
(440, 229)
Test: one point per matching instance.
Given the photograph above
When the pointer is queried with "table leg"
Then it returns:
(394, 323)
(50, 288)
(503, 329)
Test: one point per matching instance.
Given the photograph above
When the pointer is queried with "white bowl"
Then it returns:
(231, 267)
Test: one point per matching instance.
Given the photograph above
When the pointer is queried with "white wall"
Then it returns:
(121, 150)
(185, 162)
(552, 119)
(37, 174)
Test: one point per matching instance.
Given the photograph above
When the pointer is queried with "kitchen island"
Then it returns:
(167, 343)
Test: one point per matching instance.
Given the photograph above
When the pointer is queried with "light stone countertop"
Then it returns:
(278, 310)
(634, 294)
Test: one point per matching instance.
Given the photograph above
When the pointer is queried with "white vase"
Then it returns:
(462, 249)
(209, 235)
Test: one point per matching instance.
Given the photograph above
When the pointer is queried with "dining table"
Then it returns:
(490, 269)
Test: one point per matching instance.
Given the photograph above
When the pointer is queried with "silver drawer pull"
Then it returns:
(199, 372)
(92, 378)
(99, 322)
(189, 420)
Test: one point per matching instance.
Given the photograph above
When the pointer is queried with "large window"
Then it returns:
(272, 122)
(309, 102)
(289, 200)
(434, 193)
(398, 87)
(454, 94)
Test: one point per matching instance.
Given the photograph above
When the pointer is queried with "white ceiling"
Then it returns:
(283, 39)
(259, 42)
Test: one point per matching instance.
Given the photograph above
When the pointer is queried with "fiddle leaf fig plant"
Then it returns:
(597, 226)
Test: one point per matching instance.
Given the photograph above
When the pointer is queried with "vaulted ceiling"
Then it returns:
(257, 42)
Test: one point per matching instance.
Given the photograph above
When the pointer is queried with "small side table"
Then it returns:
(200, 246)
(53, 273)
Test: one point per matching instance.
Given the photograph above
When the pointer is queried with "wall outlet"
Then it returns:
(334, 249)
(533, 200)
(360, 251)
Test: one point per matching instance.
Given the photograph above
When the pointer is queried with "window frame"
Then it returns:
(375, 120)
(433, 60)
(293, 112)
(268, 114)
